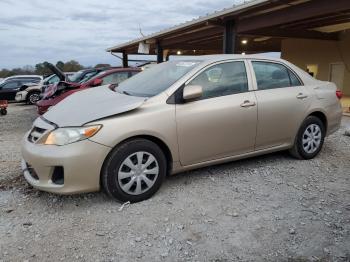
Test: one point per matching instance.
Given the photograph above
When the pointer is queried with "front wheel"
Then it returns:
(310, 138)
(134, 171)
(33, 98)
(3, 111)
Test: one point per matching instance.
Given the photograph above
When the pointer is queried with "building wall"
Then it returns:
(303, 52)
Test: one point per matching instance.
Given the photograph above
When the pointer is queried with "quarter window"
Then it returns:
(222, 79)
(271, 75)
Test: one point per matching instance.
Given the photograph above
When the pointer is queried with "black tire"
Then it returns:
(3, 112)
(298, 151)
(113, 162)
(30, 96)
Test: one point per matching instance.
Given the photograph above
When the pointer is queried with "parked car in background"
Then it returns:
(27, 78)
(86, 74)
(177, 116)
(10, 87)
(78, 77)
(62, 90)
(30, 92)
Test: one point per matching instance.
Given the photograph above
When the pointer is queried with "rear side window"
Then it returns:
(223, 79)
(11, 85)
(271, 75)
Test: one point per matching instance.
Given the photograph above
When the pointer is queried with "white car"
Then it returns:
(30, 93)
(32, 78)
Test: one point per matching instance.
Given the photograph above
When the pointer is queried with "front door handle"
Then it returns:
(247, 103)
(301, 96)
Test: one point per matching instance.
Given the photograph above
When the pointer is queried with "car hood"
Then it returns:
(91, 104)
(56, 71)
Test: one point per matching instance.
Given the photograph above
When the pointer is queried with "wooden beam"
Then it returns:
(190, 37)
(293, 33)
(317, 21)
(291, 14)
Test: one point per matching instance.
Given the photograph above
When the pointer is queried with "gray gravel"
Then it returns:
(269, 208)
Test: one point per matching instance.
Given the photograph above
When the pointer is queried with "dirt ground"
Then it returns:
(269, 208)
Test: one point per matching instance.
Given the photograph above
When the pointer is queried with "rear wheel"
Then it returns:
(310, 138)
(3, 111)
(33, 97)
(134, 171)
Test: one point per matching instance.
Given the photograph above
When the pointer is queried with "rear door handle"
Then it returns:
(301, 96)
(247, 103)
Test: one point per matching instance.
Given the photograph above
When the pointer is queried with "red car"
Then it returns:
(57, 93)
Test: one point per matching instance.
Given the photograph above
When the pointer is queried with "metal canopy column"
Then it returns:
(230, 34)
(159, 50)
(125, 59)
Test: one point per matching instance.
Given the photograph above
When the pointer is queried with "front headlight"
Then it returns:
(67, 135)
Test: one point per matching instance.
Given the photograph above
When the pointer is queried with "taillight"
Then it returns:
(339, 94)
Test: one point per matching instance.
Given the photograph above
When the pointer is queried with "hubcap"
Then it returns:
(34, 98)
(138, 173)
(312, 138)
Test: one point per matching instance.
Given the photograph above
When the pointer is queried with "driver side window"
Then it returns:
(222, 79)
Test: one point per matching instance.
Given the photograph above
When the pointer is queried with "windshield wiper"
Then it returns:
(126, 93)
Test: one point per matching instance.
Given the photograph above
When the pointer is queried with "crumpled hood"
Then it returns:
(91, 104)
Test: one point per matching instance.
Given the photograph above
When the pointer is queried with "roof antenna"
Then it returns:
(141, 30)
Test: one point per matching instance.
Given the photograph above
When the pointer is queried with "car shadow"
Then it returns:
(96, 198)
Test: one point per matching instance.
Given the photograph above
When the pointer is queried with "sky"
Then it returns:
(33, 31)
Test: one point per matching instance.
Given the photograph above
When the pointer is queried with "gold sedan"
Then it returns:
(178, 116)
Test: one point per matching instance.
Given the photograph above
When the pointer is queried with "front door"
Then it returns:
(222, 122)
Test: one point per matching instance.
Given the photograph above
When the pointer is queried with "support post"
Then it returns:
(230, 36)
(125, 59)
(159, 50)
(166, 55)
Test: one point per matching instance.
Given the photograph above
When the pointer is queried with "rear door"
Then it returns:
(222, 122)
(282, 103)
(9, 89)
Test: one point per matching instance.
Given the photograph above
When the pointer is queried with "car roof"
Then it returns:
(220, 57)
(121, 69)
(24, 76)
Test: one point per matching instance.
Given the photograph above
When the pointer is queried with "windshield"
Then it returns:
(76, 77)
(155, 80)
(88, 76)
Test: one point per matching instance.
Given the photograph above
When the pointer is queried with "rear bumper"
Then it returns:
(81, 163)
(335, 114)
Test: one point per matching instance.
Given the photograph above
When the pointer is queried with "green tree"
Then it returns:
(60, 65)
(102, 65)
(42, 69)
(72, 66)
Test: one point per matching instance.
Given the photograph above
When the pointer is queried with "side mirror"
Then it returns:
(192, 92)
(97, 82)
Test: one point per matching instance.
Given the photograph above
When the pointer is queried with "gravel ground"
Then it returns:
(269, 208)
